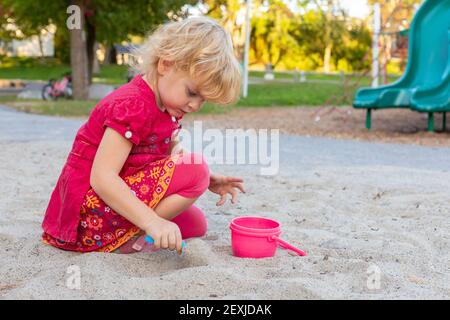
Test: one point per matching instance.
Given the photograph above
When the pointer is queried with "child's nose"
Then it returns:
(194, 106)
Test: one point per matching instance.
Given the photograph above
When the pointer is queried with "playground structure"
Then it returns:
(425, 85)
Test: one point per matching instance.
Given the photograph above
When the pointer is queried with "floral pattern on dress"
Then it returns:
(100, 227)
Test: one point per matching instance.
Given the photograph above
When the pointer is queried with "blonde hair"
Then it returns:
(199, 46)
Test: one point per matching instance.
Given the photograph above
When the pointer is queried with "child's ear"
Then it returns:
(164, 66)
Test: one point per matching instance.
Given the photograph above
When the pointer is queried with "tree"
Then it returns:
(227, 13)
(107, 22)
(332, 26)
(271, 37)
(78, 55)
(356, 47)
(396, 15)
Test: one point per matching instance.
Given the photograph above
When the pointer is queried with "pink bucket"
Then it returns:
(255, 237)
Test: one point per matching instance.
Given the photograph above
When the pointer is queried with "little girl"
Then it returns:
(122, 180)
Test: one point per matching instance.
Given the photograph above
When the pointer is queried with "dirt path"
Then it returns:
(391, 126)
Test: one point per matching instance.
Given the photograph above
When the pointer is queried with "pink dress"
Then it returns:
(76, 218)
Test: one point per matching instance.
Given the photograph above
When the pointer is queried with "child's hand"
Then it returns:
(166, 234)
(222, 185)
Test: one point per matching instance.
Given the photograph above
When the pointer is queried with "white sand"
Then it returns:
(347, 218)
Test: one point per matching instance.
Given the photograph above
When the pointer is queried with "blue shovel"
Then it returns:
(151, 241)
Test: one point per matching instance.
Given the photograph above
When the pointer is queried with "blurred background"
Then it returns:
(300, 52)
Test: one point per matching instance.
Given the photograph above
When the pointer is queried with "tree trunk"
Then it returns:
(280, 56)
(90, 46)
(78, 57)
(111, 55)
(95, 63)
(328, 16)
(327, 58)
(107, 54)
(386, 58)
(41, 46)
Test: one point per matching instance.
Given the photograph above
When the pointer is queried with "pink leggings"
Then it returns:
(190, 179)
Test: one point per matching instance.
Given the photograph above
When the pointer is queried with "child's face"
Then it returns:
(178, 93)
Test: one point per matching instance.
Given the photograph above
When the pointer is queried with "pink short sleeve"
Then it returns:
(129, 117)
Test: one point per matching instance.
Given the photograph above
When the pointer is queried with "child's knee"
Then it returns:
(202, 173)
(192, 222)
(201, 224)
(199, 170)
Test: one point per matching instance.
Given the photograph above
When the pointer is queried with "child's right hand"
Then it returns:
(166, 234)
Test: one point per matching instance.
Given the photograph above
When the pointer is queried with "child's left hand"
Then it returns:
(222, 185)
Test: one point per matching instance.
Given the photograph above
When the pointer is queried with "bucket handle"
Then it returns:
(288, 246)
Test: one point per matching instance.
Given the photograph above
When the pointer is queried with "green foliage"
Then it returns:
(357, 47)
(294, 94)
(271, 38)
(32, 16)
(279, 36)
(114, 21)
(349, 40)
(289, 40)
(62, 45)
(28, 68)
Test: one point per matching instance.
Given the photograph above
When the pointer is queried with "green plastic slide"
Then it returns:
(436, 98)
(424, 86)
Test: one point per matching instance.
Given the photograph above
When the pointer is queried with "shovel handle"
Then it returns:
(151, 241)
(288, 246)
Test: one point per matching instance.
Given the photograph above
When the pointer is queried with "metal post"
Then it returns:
(246, 48)
(430, 121)
(369, 118)
(302, 76)
(375, 49)
(444, 121)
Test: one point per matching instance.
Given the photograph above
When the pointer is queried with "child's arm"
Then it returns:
(218, 184)
(106, 182)
(223, 185)
(175, 146)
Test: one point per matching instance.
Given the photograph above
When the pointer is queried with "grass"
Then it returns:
(266, 94)
(363, 80)
(34, 73)
(48, 68)
(63, 108)
(72, 108)
(259, 95)
(293, 94)
(112, 74)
